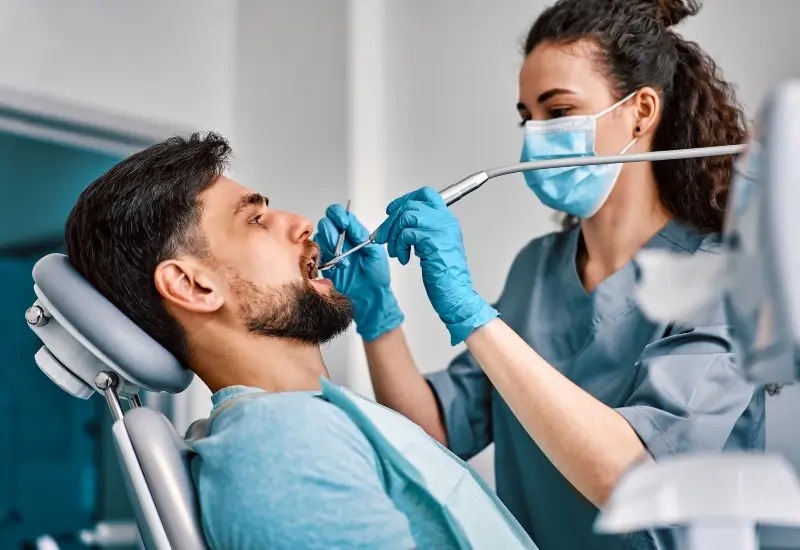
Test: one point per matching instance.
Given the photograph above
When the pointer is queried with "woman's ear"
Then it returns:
(188, 285)
(648, 107)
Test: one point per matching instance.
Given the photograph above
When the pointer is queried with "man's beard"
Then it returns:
(293, 311)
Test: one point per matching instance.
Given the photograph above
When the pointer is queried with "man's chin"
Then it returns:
(313, 312)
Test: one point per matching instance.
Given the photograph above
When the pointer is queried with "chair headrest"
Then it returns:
(84, 334)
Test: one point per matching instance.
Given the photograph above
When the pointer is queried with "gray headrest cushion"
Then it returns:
(107, 328)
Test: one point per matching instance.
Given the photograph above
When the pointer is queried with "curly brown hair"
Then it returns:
(638, 48)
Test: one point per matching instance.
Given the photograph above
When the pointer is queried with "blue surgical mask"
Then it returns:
(577, 190)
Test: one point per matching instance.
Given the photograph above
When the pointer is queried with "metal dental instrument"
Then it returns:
(340, 242)
(461, 189)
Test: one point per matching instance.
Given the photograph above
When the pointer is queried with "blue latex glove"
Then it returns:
(421, 219)
(363, 276)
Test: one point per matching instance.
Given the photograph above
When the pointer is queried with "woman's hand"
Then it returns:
(363, 276)
(422, 220)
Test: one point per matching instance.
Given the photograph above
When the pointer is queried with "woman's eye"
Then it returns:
(558, 113)
(257, 220)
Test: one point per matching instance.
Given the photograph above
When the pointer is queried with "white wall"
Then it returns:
(166, 61)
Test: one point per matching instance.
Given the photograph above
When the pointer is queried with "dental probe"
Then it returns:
(461, 189)
(340, 242)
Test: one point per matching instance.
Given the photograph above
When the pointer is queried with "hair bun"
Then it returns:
(672, 12)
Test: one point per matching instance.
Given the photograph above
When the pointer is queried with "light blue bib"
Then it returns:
(475, 516)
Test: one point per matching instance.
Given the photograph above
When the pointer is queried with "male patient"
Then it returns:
(227, 284)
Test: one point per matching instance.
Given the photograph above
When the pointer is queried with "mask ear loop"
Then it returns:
(627, 147)
(615, 105)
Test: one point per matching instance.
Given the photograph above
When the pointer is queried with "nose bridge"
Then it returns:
(300, 227)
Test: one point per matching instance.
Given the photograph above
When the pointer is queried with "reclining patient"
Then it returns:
(228, 285)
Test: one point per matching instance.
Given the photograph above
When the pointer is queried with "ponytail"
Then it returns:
(700, 110)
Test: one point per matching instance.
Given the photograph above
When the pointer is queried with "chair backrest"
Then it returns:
(164, 460)
(86, 336)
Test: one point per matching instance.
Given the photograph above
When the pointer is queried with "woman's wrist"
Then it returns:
(377, 314)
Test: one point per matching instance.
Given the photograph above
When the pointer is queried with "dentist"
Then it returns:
(563, 373)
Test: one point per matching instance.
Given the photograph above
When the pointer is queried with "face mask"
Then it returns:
(577, 190)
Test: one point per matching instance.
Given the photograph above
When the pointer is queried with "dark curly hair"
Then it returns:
(637, 48)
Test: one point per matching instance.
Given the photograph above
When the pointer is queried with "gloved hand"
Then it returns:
(363, 276)
(421, 219)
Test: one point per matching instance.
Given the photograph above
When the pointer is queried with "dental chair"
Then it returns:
(90, 347)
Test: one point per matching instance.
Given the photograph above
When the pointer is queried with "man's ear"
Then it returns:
(189, 285)
(648, 108)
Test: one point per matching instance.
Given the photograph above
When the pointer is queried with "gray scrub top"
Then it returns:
(678, 386)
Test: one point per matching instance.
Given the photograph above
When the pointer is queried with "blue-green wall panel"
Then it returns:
(50, 442)
(48, 457)
(39, 183)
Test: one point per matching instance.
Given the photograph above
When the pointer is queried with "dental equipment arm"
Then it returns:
(461, 189)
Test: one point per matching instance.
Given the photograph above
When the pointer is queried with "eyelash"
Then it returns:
(257, 219)
(553, 114)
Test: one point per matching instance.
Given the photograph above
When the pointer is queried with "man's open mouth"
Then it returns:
(312, 267)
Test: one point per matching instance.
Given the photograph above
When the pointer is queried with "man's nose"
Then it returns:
(300, 228)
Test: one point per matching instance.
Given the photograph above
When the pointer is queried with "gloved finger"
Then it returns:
(427, 195)
(396, 221)
(338, 215)
(396, 248)
(430, 196)
(398, 202)
(326, 237)
(411, 237)
(356, 232)
(384, 231)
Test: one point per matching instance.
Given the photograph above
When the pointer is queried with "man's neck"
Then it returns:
(272, 364)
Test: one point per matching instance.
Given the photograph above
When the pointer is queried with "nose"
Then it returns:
(300, 228)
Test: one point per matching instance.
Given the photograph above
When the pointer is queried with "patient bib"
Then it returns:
(475, 516)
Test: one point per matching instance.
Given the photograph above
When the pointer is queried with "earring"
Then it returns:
(638, 129)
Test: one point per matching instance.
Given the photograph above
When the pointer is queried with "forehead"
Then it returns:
(571, 66)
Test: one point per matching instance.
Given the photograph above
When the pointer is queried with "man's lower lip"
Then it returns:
(323, 282)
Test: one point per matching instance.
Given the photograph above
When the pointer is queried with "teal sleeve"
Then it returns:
(464, 394)
(689, 392)
(294, 477)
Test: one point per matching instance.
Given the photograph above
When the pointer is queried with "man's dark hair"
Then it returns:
(141, 212)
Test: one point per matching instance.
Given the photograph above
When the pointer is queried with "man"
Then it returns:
(229, 286)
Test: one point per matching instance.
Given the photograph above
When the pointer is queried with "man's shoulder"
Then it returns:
(285, 423)
(291, 469)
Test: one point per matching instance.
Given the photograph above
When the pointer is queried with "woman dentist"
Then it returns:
(563, 373)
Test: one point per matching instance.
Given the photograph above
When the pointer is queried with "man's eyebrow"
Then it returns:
(250, 199)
